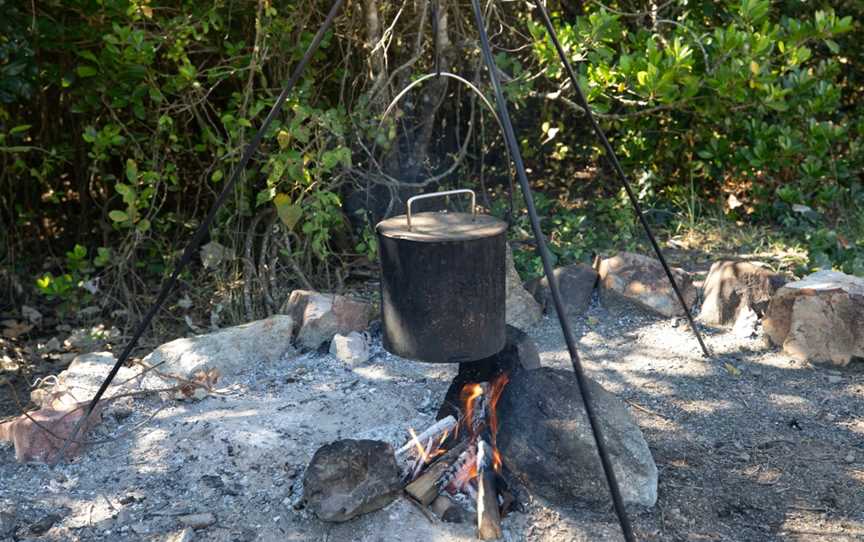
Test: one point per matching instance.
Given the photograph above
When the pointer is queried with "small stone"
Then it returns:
(576, 284)
(44, 524)
(31, 314)
(850, 457)
(53, 345)
(348, 478)
(835, 379)
(352, 348)
(198, 521)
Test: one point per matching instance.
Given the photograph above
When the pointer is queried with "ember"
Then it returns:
(456, 463)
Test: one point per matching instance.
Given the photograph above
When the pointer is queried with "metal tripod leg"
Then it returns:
(613, 160)
(581, 379)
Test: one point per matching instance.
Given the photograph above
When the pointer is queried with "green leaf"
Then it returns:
(131, 170)
(118, 216)
(264, 196)
(143, 225)
(86, 71)
(835, 48)
(289, 213)
(217, 176)
(20, 128)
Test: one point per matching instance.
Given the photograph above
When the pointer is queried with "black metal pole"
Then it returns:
(581, 379)
(616, 165)
(189, 252)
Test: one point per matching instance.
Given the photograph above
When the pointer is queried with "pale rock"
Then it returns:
(521, 309)
(230, 351)
(732, 288)
(81, 380)
(819, 319)
(641, 280)
(318, 317)
(352, 348)
(34, 444)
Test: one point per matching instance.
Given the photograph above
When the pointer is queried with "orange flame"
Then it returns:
(421, 451)
(469, 394)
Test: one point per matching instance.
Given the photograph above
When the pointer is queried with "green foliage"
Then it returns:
(743, 98)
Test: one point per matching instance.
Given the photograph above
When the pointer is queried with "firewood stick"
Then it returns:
(488, 515)
(434, 432)
(425, 487)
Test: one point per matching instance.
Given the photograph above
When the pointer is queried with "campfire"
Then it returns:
(454, 467)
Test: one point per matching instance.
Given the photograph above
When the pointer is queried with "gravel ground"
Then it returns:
(751, 446)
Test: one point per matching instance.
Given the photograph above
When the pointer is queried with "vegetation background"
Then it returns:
(741, 123)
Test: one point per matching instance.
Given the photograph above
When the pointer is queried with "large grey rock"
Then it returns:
(641, 280)
(732, 288)
(546, 440)
(576, 283)
(522, 310)
(319, 317)
(819, 318)
(230, 350)
(348, 478)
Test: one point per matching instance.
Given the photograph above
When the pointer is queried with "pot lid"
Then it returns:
(442, 226)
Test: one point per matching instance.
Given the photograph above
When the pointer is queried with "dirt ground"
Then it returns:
(751, 446)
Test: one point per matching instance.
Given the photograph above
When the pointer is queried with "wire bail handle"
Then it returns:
(446, 194)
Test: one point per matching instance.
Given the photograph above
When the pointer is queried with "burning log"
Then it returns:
(460, 473)
(425, 488)
(488, 515)
(433, 433)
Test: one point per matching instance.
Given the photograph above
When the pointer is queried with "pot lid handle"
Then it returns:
(447, 194)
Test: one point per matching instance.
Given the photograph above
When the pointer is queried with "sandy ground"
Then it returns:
(751, 446)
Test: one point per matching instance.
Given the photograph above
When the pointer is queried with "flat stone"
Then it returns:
(735, 287)
(318, 317)
(230, 350)
(44, 524)
(197, 521)
(352, 348)
(576, 283)
(636, 279)
(521, 309)
(546, 441)
(348, 478)
(819, 319)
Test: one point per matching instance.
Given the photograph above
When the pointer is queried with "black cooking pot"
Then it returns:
(442, 284)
